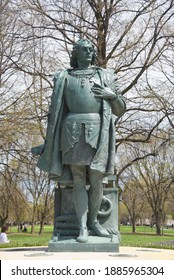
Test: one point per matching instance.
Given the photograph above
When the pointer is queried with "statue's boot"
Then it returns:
(83, 235)
(95, 195)
(80, 198)
(98, 229)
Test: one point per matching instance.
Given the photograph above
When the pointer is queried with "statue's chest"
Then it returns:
(81, 84)
(79, 95)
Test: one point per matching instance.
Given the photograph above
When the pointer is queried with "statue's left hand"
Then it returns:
(103, 92)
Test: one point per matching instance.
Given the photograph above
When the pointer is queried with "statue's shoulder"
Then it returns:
(60, 73)
(107, 73)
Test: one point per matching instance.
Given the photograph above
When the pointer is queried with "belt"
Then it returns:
(83, 117)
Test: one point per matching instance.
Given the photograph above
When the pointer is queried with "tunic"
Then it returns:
(81, 127)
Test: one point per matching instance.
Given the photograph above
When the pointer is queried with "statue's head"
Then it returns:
(76, 49)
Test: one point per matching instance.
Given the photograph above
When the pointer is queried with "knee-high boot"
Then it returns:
(80, 199)
(95, 195)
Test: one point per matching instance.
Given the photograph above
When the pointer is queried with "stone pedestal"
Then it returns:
(66, 227)
(94, 244)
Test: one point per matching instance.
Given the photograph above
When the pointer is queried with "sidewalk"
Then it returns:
(41, 253)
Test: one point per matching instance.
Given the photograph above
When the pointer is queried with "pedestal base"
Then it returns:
(94, 244)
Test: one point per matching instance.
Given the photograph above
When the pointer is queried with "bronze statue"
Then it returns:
(80, 139)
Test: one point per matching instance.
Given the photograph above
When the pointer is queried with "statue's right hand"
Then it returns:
(103, 92)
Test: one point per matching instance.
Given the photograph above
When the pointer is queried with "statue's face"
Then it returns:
(85, 52)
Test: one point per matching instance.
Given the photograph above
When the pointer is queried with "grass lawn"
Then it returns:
(26, 239)
(144, 237)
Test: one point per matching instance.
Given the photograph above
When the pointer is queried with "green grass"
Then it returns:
(26, 239)
(146, 229)
(147, 240)
(144, 237)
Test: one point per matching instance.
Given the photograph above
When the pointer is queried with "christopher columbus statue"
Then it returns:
(80, 139)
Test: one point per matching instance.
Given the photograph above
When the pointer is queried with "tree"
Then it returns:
(135, 201)
(4, 206)
(40, 193)
(45, 206)
(13, 206)
(155, 179)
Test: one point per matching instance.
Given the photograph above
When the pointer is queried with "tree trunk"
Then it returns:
(32, 227)
(158, 229)
(133, 221)
(3, 220)
(133, 227)
(32, 220)
(158, 225)
(41, 230)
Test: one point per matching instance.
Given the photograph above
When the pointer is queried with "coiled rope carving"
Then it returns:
(109, 204)
(68, 224)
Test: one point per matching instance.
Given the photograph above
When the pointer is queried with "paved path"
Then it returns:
(131, 253)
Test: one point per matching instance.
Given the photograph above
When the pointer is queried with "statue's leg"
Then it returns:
(95, 199)
(80, 199)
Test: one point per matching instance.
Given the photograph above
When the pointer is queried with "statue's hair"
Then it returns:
(74, 53)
